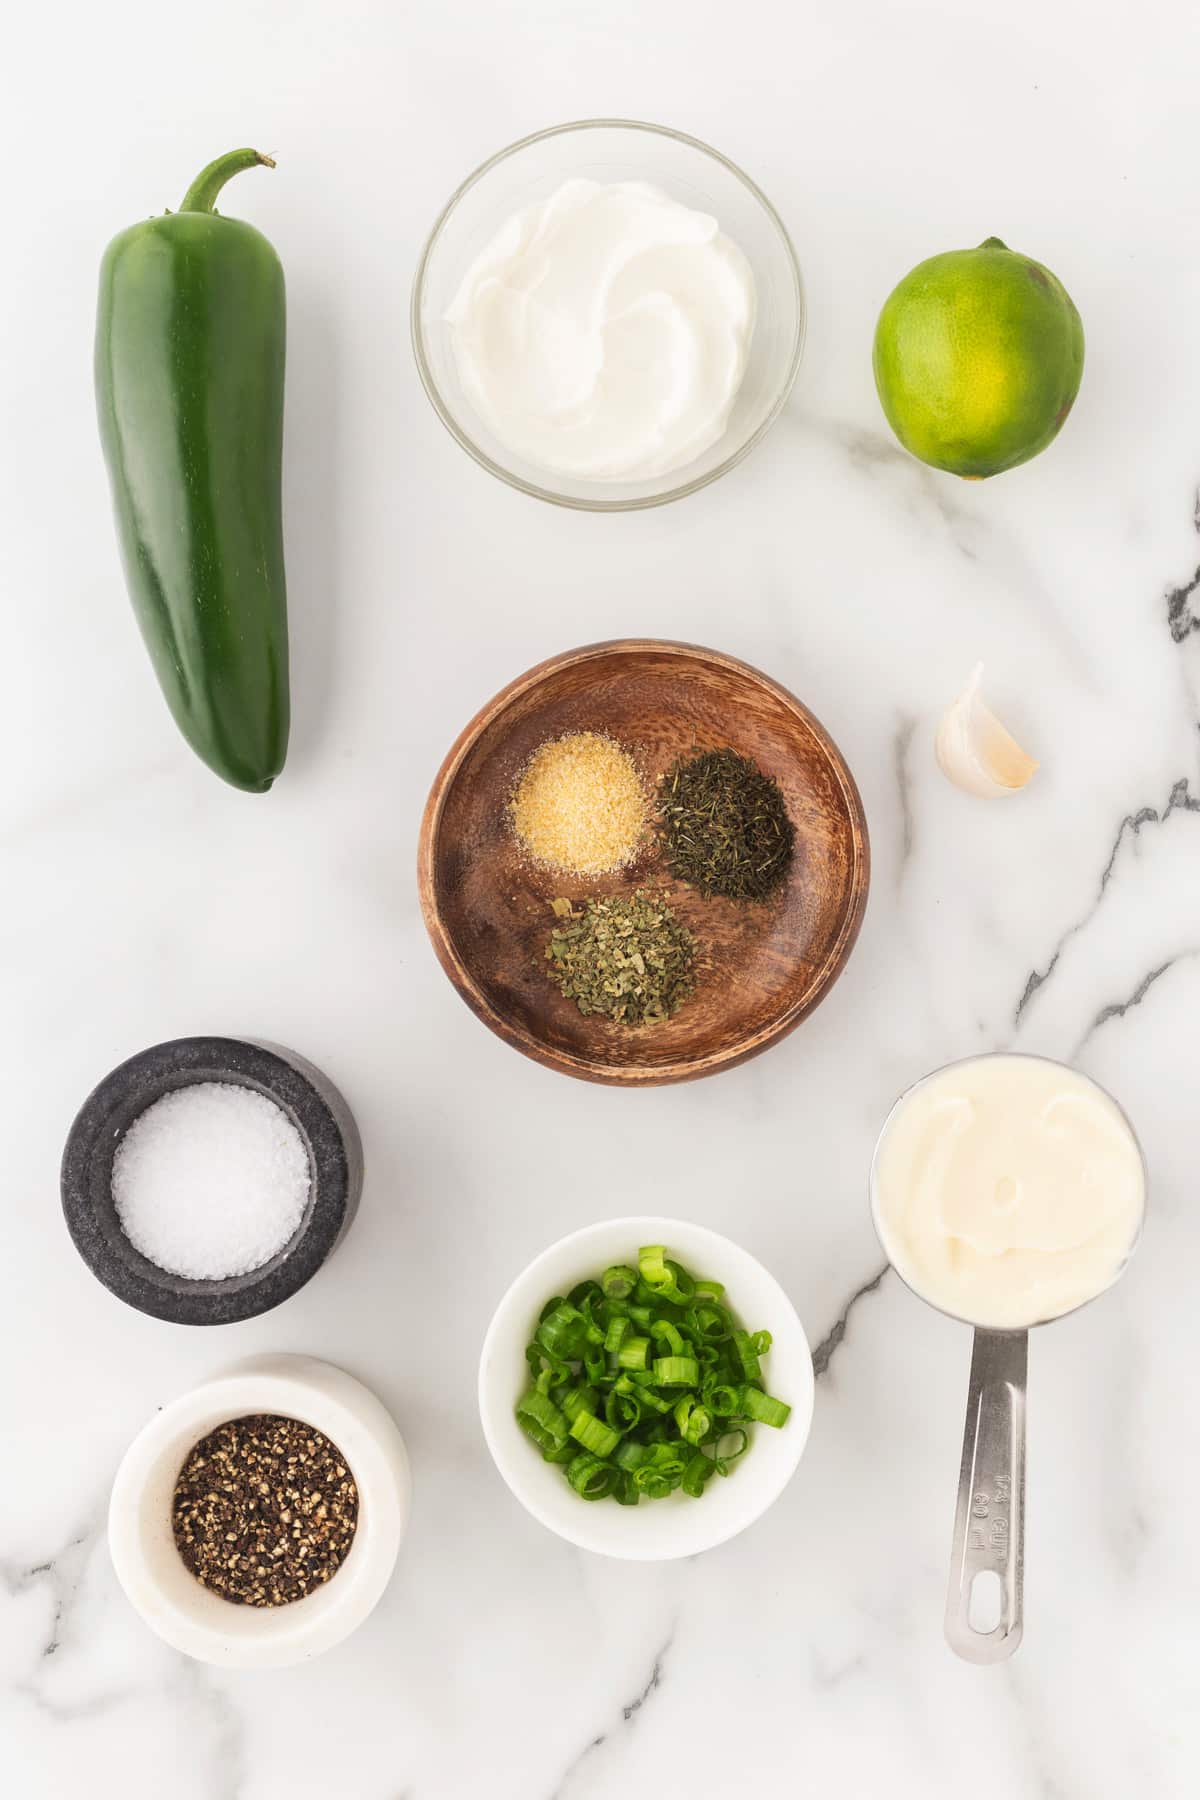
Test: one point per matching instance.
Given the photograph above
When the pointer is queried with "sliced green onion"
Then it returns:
(622, 1411)
(676, 1371)
(578, 1399)
(743, 1346)
(652, 1267)
(670, 1460)
(591, 1478)
(541, 1420)
(643, 1382)
(709, 1322)
(618, 1282)
(667, 1334)
(698, 1425)
(594, 1434)
(726, 1458)
(685, 1287)
(563, 1332)
(662, 1472)
(724, 1400)
(764, 1410)
(616, 1334)
(700, 1469)
(648, 1480)
(653, 1402)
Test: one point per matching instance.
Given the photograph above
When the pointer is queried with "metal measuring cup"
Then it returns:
(989, 1520)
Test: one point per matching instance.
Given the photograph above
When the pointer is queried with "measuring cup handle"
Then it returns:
(989, 1527)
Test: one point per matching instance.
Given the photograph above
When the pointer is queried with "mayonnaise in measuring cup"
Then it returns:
(603, 333)
(1008, 1190)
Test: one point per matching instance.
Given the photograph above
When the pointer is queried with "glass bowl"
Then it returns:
(609, 150)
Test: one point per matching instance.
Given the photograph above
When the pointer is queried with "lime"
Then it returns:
(978, 358)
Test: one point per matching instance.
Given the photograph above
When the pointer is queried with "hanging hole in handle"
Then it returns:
(985, 1603)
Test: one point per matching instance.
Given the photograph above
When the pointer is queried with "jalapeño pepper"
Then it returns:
(189, 385)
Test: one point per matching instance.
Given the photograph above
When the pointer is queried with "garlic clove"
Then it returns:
(975, 752)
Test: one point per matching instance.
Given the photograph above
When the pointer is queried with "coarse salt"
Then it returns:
(210, 1181)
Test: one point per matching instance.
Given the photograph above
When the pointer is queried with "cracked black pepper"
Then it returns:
(265, 1510)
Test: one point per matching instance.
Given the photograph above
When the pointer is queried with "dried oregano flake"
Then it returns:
(629, 960)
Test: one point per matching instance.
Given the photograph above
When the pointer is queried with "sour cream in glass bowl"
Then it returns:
(608, 315)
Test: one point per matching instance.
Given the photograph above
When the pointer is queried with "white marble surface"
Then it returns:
(141, 899)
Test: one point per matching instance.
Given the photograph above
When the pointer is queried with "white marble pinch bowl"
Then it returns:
(655, 1530)
(148, 1565)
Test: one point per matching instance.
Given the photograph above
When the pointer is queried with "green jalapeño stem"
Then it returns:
(209, 182)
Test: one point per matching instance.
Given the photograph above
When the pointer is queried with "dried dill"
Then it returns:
(725, 828)
(627, 959)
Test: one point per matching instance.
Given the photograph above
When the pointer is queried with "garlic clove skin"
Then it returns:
(975, 752)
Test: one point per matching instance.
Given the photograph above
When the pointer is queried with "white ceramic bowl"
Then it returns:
(656, 1530)
(612, 150)
(150, 1569)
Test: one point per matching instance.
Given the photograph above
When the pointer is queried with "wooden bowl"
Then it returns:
(761, 967)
